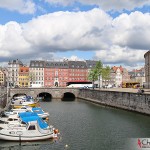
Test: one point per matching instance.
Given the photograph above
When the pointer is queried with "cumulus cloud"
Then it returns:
(12, 41)
(105, 4)
(21, 6)
(119, 55)
(63, 31)
(123, 39)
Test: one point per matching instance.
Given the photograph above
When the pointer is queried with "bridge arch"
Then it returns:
(56, 93)
(68, 96)
(44, 96)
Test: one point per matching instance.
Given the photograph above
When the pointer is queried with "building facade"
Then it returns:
(116, 76)
(2, 78)
(77, 71)
(36, 72)
(13, 72)
(24, 76)
(55, 74)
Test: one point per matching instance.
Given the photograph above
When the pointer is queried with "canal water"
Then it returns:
(86, 126)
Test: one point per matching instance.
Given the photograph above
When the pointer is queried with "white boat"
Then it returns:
(37, 110)
(16, 111)
(34, 129)
(40, 112)
(24, 101)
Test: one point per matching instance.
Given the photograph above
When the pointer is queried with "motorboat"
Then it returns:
(40, 112)
(25, 101)
(13, 111)
(34, 129)
(37, 110)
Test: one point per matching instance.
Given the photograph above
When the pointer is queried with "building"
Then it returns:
(24, 76)
(2, 77)
(77, 71)
(36, 72)
(147, 69)
(13, 72)
(55, 74)
(138, 75)
(116, 76)
(125, 75)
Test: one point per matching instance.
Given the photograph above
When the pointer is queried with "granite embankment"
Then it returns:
(127, 99)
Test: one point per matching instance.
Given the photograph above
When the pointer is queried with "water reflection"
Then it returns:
(38, 145)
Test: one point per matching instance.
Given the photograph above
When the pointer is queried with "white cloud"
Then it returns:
(22, 6)
(106, 4)
(68, 30)
(12, 41)
(120, 40)
(119, 55)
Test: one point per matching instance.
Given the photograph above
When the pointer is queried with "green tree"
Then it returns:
(93, 75)
(106, 73)
(99, 68)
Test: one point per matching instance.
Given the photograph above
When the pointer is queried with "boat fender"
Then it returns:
(56, 131)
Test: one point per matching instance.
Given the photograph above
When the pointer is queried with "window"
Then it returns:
(31, 127)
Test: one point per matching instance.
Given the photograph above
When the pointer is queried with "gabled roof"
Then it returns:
(114, 68)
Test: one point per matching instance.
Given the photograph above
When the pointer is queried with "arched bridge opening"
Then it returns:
(44, 96)
(68, 97)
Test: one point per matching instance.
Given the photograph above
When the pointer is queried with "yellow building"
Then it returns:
(24, 76)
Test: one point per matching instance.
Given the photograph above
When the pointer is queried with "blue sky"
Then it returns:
(117, 33)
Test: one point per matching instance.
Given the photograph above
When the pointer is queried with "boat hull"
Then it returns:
(30, 105)
(26, 138)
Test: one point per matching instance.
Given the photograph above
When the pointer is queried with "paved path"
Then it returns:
(130, 90)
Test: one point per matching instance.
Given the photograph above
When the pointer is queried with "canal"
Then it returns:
(86, 126)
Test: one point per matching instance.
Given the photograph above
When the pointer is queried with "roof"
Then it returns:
(16, 61)
(37, 64)
(77, 64)
(56, 64)
(91, 63)
(114, 68)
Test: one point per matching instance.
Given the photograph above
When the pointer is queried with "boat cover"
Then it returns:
(27, 114)
(37, 110)
(31, 116)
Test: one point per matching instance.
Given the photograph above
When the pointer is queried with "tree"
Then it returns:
(93, 75)
(106, 73)
(99, 68)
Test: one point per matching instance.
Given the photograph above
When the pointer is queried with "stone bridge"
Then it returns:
(55, 93)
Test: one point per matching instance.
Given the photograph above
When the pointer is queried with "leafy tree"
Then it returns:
(106, 73)
(96, 72)
(93, 75)
(99, 68)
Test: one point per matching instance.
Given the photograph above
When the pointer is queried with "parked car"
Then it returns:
(108, 86)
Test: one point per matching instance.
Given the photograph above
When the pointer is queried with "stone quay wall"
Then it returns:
(3, 97)
(124, 100)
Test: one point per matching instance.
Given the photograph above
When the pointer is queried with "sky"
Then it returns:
(113, 31)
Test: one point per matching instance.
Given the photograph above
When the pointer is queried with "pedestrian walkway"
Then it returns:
(130, 90)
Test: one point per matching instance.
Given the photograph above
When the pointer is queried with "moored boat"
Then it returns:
(33, 129)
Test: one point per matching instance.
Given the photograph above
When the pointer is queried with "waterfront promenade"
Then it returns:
(129, 90)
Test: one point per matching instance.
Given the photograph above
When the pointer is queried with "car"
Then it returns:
(108, 86)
